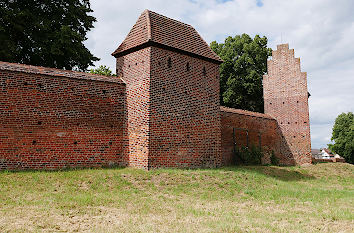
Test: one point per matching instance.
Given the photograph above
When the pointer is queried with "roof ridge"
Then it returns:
(148, 24)
(175, 20)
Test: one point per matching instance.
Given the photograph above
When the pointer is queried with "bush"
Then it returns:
(273, 159)
(249, 155)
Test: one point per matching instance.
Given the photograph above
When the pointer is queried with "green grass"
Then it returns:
(318, 198)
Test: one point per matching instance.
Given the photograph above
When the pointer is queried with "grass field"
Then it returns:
(317, 198)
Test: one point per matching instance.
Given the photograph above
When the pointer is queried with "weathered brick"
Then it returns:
(162, 111)
(53, 119)
(286, 99)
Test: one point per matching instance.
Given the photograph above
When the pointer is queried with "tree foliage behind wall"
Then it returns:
(47, 33)
(343, 136)
(245, 62)
(102, 70)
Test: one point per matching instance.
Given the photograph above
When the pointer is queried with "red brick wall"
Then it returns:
(261, 130)
(174, 118)
(185, 111)
(53, 122)
(134, 68)
(286, 99)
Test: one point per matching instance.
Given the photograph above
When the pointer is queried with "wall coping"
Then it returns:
(57, 72)
(244, 112)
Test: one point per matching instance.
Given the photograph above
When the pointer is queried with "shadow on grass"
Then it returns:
(65, 169)
(280, 173)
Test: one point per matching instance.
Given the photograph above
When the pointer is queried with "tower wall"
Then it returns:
(134, 68)
(185, 111)
(286, 99)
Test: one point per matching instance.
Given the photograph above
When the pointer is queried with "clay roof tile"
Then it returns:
(153, 27)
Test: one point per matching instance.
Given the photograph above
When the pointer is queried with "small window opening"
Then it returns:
(159, 63)
(187, 66)
(297, 101)
(104, 91)
(110, 143)
(288, 123)
(204, 71)
(294, 136)
(25, 83)
(270, 103)
(39, 122)
(34, 142)
(169, 63)
(283, 102)
(75, 143)
(305, 122)
(40, 85)
(136, 63)
(128, 66)
(295, 122)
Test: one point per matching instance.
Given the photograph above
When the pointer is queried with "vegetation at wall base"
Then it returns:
(231, 199)
(249, 155)
(343, 137)
(273, 159)
(46, 33)
(241, 73)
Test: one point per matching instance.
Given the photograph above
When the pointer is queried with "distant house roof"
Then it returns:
(315, 151)
(328, 152)
(153, 29)
(57, 72)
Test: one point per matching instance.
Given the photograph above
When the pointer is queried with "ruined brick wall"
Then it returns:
(52, 119)
(240, 128)
(286, 99)
(134, 68)
(185, 111)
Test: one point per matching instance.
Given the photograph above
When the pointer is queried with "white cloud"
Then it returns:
(320, 31)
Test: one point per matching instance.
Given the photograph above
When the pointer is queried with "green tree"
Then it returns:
(245, 63)
(343, 136)
(102, 70)
(47, 33)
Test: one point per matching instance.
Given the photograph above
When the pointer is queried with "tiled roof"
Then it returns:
(56, 72)
(161, 30)
(244, 112)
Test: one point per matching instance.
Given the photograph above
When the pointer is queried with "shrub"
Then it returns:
(249, 155)
(273, 159)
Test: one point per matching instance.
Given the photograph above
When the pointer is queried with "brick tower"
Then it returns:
(172, 79)
(286, 99)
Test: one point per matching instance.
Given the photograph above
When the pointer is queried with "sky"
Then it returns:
(320, 31)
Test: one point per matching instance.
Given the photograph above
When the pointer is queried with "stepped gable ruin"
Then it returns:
(286, 100)
(162, 110)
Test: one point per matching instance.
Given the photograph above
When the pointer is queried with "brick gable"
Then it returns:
(286, 99)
